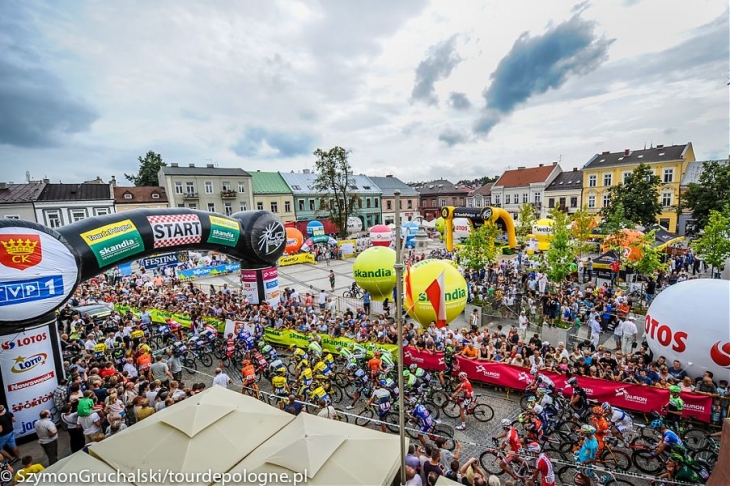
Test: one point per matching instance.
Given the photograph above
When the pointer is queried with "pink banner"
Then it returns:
(631, 397)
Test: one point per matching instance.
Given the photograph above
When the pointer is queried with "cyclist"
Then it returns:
(267, 350)
(314, 347)
(678, 470)
(329, 360)
(587, 453)
(248, 372)
(513, 441)
(599, 422)
(281, 386)
(425, 421)
(381, 395)
(542, 416)
(358, 351)
(411, 384)
(578, 400)
(319, 393)
(361, 382)
(532, 424)
(276, 366)
(620, 421)
(543, 466)
(305, 378)
(391, 385)
(322, 371)
(450, 363)
(670, 440)
(540, 381)
(299, 354)
(387, 361)
(375, 365)
(246, 339)
(467, 391)
(675, 406)
(548, 403)
(230, 345)
(344, 353)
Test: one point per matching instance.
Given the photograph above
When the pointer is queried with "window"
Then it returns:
(180, 205)
(53, 219)
(497, 200)
(461, 201)
(367, 203)
(208, 187)
(591, 201)
(400, 204)
(453, 201)
(101, 211)
(433, 203)
(228, 209)
(626, 176)
(244, 206)
(375, 202)
(442, 202)
(551, 202)
(12, 216)
(607, 180)
(155, 195)
(211, 207)
(561, 203)
(389, 205)
(287, 206)
(478, 202)
(574, 202)
(260, 206)
(274, 207)
(664, 223)
(524, 198)
(668, 176)
(127, 196)
(190, 187)
(226, 186)
(507, 199)
(301, 204)
(77, 215)
(536, 199)
(410, 204)
(311, 204)
(192, 206)
(606, 200)
(359, 203)
(666, 199)
(241, 186)
(178, 188)
(592, 181)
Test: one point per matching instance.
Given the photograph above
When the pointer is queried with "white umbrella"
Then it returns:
(77, 468)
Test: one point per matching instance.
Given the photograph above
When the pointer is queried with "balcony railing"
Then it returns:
(190, 195)
(228, 194)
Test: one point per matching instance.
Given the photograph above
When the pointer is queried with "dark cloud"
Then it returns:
(452, 137)
(286, 144)
(580, 7)
(536, 64)
(459, 101)
(441, 60)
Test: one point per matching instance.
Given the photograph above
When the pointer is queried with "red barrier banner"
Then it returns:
(631, 397)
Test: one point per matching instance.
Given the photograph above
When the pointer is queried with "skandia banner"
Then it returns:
(287, 337)
(28, 376)
(206, 271)
(160, 316)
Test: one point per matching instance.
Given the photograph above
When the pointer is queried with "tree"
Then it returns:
(639, 195)
(711, 192)
(561, 255)
(525, 220)
(714, 245)
(582, 229)
(650, 257)
(480, 249)
(478, 182)
(334, 181)
(149, 166)
(613, 227)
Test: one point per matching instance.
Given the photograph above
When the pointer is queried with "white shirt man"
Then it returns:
(90, 343)
(629, 334)
(130, 368)
(524, 323)
(595, 331)
(542, 282)
(221, 379)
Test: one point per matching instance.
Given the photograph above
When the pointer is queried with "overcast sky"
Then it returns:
(413, 88)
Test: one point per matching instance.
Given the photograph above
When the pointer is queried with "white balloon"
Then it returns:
(690, 322)
(354, 224)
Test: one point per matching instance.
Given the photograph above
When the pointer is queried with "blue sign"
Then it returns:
(272, 284)
(159, 261)
(22, 291)
(205, 271)
(315, 228)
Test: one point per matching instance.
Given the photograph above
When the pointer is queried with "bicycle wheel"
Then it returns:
(490, 462)
(695, 439)
(190, 365)
(347, 294)
(412, 430)
(567, 474)
(483, 413)
(706, 455)
(219, 351)
(524, 400)
(451, 409)
(350, 390)
(206, 360)
(615, 460)
(365, 417)
(341, 380)
(568, 429)
(439, 398)
(645, 462)
(392, 423)
(444, 430)
(335, 393)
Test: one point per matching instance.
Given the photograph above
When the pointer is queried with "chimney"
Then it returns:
(660, 146)
(46, 180)
(555, 163)
(626, 152)
(210, 166)
(541, 165)
(389, 175)
(191, 165)
(3, 185)
(520, 168)
(174, 164)
(305, 171)
(113, 182)
(605, 153)
(575, 169)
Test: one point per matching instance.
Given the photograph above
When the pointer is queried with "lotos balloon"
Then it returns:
(422, 275)
(696, 334)
(354, 224)
(380, 235)
(294, 240)
(462, 228)
(373, 271)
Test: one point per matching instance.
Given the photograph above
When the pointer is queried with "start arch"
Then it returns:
(477, 216)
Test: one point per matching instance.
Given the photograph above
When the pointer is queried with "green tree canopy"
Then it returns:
(711, 192)
(582, 229)
(334, 181)
(480, 249)
(613, 226)
(149, 166)
(525, 220)
(714, 245)
(639, 195)
(561, 254)
(650, 257)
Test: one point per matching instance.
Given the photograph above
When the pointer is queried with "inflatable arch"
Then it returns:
(40, 268)
(477, 216)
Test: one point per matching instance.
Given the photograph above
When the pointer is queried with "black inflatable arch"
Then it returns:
(41, 267)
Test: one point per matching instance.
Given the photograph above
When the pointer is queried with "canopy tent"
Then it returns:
(663, 237)
(428, 224)
(212, 430)
(75, 464)
(328, 452)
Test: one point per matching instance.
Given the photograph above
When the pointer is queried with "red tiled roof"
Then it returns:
(140, 195)
(524, 177)
(485, 190)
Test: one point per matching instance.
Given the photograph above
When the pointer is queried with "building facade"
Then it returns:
(408, 199)
(271, 193)
(434, 195)
(128, 198)
(564, 192)
(607, 169)
(480, 197)
(522, 186)
(16, 200)
(209, 188)
(61, 204)
(686, 224)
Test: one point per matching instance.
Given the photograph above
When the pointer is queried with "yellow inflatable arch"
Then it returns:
(477, 216)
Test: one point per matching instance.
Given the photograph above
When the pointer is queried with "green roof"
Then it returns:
(269, 183)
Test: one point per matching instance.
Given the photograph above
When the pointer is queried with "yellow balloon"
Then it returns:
(373, 271)
(422, 275)
(543, 230)
(440, 225)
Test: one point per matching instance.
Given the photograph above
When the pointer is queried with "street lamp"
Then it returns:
(399, 324)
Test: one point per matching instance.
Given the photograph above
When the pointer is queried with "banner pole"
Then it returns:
(399, 323)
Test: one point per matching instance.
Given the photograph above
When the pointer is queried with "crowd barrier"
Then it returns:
(294, 259)
(159, 316)
(631, 397)
(287, 337)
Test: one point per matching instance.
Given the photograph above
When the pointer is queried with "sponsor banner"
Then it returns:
(164, 260)
(159, 316)
(348, 248)
(175, 229)
(37, 273)
(287, 337)
(224, 231)
(114, 242)
(28, 376)
(270, 280)
(249, 286)
(206, 271)
(424, 359)
(294, 259)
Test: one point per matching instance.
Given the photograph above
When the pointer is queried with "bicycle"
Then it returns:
(353, 293)
(572, 475)
(709, 453)
(438, 429)
(371, 414)
(481, 411)
(492, 456)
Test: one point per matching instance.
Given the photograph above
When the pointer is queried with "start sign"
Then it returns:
(176, 229)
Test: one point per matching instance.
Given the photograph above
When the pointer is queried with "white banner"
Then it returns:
(28, 376)
(271, 286)
(249, 286)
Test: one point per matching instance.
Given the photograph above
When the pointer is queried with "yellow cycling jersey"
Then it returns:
(306, 374)
(279, 382)
(299, 352)
(318, 393)
(321, 366)
(329, 359)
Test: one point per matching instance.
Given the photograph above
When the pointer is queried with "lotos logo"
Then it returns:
(663, 334)
(20, 251)
(489, 374)
(721, 355)
(23, 364)
(24, 341)
(622, 392)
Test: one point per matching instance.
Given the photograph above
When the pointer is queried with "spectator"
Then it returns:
(29, 469)
(47, 436)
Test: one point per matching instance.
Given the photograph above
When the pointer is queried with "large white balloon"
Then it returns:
(354, 224)
(690, 322)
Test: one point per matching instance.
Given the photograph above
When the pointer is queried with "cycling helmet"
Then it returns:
(246, 362)
(597, 410)
(352, 366)
(406, 373)
(531, 400)
(262, 344)
(674, 389)
(572, 382)
(305, 363)
(281, 371)
(413, 367)
(656, 423)
(351, 345)
(533, 371)
(537, 409)
(541, 391)
(311, 338)
(462, 376)
(533, 447)
(382, 383)
(606, 407)
(506, 423)
(588, 429)
(521, 417)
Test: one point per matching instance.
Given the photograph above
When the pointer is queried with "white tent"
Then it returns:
(327, 452)
(78, 469)
(213, 430)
